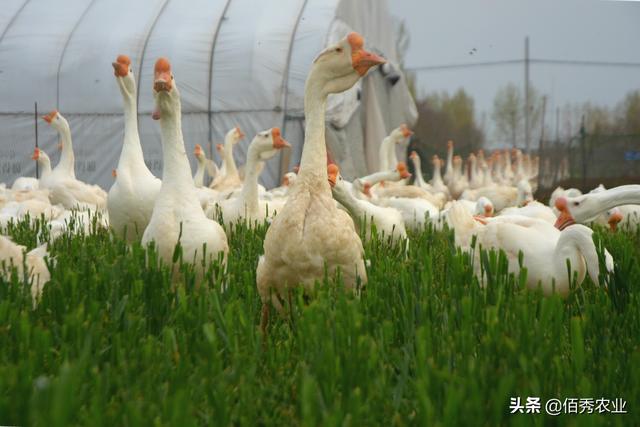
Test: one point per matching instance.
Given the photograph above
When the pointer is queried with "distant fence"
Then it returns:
(588, 158)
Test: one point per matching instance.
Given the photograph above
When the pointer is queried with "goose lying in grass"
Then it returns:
(545, 249)
(387, 221)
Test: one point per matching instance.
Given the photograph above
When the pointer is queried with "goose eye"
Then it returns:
(576, 203)
(339, 49)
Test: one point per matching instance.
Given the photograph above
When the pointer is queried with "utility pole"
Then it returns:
(526, 95)
(35, 124)
(583, 149)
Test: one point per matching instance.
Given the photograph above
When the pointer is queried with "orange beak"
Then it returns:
(488, 210)
(406, 132)
(49, 117)
(614, 219)
(114, 173)
(565, 219)
(402, 168)
(239, 132)
(332, 172)
(197, 151)
(367, 189)
(361, 60)
(121, 66)
(219, 147)
(163, 81)
(278, 141)
(36, 154)
(285, 181)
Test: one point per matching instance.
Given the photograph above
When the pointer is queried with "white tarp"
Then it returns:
(236, 62)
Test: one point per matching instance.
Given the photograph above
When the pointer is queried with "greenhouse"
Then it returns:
(237, 62)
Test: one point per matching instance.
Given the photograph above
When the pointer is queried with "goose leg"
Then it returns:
(264, 319)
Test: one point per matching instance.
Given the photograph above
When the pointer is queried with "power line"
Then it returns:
(521, 61)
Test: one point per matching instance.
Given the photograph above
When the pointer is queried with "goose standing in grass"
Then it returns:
(177, 215)
(204, 165)
(311, 237)
(66, 165)
(247, 205)
(132, 196)
(387, 151)
(229, 178)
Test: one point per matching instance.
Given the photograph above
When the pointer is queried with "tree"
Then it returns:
(442, 117)
(508, 114)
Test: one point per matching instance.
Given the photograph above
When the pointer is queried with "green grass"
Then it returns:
(113, 342)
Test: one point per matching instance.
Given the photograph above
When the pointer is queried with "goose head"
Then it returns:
(484, 207)
(165, 91)
(578, 209)
(614, 216)
(198, 152)
(401, 169)
(234, 135)
(289, 178)
(124, 75)
(220, 149)
(338, 67)
(525, 193)
(338, 188)
(41, 157)
(401, 134)
(266, 144)
(56, 121)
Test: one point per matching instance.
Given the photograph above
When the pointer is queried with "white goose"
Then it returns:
(417, 165)
(436, 182)
(36, 268)
(311, 237)
(204, 165)
(387, 152)
(68, 192)
(132, 196)
(545, 249)
(388, 221)
(248, 206)
(66, 166)
(229, 179)
(587, 207)
(177, 214)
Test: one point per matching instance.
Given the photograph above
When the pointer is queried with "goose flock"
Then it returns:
(315, 215)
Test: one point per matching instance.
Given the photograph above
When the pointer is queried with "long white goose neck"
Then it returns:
(131, 157)
(198, 178)
(437, 177)
(384, 154)
(67, 159)
(417, 165)
(347, 199)
(230, 163)
(377, 177)
(576, 244)
(45, 165)
(622, 195)
(313, 164)
(449, 159)
(176, 171)
(250, 185)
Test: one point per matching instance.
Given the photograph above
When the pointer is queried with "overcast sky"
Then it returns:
(446, 32)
